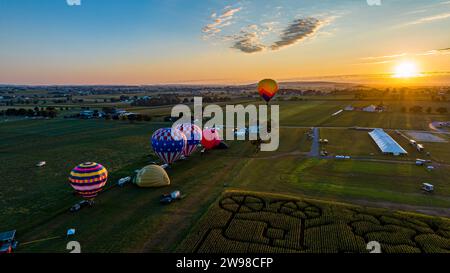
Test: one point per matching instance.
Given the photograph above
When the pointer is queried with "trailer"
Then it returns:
(427, 187)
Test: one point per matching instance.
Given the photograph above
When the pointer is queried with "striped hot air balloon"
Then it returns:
(267, 89)
(168, 144)
(88, 179)
(193, 135)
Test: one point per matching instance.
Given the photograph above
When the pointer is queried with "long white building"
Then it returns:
(386, 143)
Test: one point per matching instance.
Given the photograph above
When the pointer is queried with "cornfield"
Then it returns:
(248, 222)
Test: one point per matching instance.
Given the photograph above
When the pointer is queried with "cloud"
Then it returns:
(268, 35)
(429, 19)
(384, 57)
(392, 58)
(220, 21)
(249, 41)
(297, 31)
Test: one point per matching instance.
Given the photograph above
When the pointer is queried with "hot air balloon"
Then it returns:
(193, 135)
(88, 179)
(168, 144)
(267, 89)
(210, 138)
(152, 176)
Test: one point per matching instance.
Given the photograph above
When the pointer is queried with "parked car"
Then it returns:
(79, 205)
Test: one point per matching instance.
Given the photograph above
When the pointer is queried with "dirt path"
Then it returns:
(194, 205)
(435, 211)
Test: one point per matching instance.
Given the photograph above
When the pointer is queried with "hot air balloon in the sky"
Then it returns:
(168, 144)
(88, 179)
(267, 89)
(193, 135)
(210, 138)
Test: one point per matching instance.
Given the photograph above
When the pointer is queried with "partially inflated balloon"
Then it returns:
(168, 144)
(210, 138)
(267, 89)
(88, 179)
(193, 135)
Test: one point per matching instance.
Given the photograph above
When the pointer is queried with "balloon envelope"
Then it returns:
(88, 179)
(152, 176)
(267, 89)
(193, 135)
(168, 144)
(210, 138)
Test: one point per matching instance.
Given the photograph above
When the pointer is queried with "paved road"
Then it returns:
(315, 146)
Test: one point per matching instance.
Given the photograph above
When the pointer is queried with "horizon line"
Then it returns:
(230, 83)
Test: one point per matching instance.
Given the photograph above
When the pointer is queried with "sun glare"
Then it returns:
(406, 70)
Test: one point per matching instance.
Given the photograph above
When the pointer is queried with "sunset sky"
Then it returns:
(212, 41)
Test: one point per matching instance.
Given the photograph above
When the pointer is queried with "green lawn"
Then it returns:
(376, 181)
(349, 142)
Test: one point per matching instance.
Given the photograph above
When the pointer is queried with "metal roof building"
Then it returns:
(386, 143)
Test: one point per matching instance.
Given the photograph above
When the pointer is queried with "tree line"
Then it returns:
(419, 109)
(50, 112)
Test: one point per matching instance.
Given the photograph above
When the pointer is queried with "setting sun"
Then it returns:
(406, 70)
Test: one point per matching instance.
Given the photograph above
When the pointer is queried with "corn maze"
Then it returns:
(247, 222)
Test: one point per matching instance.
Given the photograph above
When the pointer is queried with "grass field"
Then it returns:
(345, 180)
(35, 201)
(251, 222)
(348, 142)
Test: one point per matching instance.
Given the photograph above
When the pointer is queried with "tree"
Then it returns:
(416, 109)
(442, 110)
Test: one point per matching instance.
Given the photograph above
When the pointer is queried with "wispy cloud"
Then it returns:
(429, 19)
(384, 57)
(220, 21)
(394, 57)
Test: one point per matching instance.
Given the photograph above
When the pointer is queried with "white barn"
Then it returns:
(386, 143)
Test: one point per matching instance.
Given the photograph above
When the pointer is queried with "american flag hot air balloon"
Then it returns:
(193, 135)
(168, 144)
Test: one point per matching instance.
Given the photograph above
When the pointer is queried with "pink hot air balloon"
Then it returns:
(210, 138)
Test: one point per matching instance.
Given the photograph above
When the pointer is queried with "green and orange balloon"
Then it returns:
(267, 89)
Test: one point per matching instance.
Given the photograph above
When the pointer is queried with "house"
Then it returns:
(349, 108)
(86, 114)
(370, 108)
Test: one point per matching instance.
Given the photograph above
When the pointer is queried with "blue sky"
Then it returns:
(149, 41)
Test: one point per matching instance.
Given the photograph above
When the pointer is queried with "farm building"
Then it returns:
(86, 114)
(370, 108)
(349, 108)
(386, 143)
